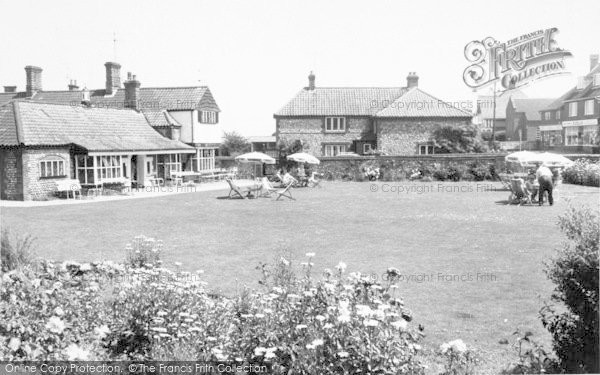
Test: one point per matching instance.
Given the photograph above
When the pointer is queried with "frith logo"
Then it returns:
(514, 63)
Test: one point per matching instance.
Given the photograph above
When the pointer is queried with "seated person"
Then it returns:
(532, 186)
(288, 178)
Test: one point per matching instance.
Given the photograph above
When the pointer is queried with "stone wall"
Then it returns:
(401, 137)
(11, 181)
(311, 131)
(35, 186)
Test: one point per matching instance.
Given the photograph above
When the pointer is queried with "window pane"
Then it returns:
(54, 168)
(43, 169)
(328, 121)
(61, 168)
(90, 176)
(89, 161)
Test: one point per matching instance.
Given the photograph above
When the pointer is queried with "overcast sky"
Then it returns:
(255, 55)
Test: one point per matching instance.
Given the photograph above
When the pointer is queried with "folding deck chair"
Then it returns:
(518, 192)
(242, 192)
(267, 188)
(285, 192)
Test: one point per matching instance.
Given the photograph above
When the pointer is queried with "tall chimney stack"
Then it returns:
(113, 77)
(34, 80)
(593, 61)
(412, 80)
(73, 85)
(132, 92)
(311, 81)
(10, 89)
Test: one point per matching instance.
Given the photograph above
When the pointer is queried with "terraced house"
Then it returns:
(392, 120)
(571, 123)
(122, 132)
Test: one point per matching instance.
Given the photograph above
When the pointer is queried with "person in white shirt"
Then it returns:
(544, 176)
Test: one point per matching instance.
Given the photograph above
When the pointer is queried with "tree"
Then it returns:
(458, 139)
(234, 143)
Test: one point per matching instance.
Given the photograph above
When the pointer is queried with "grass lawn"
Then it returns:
(432, 235)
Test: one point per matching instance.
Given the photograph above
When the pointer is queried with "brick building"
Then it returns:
(120, 131)
(523, 118)
(393, 120)
(571, 123)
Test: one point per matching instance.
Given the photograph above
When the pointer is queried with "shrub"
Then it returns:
(144, 252)
(16, 251)
(459, 358)
(480, 171)
(533, 358)
(574, 271)
(583, 172)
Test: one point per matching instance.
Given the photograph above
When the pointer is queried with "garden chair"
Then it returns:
(285, 192)
(518, 192)
(267, 188)
(312, 181)
(242, 192)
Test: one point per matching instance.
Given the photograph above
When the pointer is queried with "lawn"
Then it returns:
(472, 264)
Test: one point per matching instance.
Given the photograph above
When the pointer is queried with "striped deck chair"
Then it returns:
(285, 192)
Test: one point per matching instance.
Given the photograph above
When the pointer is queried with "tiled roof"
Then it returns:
(486, 103)
(262, 139)
(160, 119)
(417, 103)
(97, 130)
(340, 101)
(151, 98)
(8, 128)
(574, 94)
(6, 97)
(531, 107)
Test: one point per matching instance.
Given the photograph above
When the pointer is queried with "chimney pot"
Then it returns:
(311, 81)
(412, 80)
(113, 77)
(132, 92)
(34, 80)
(73, 85)
(10, 89)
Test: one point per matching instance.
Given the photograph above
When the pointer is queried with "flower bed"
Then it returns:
(583, 172)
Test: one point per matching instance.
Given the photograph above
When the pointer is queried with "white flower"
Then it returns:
(59, 311)
(259, 315)
(341, 267)
(85, 267)
(284, 261)
(320, 318)
(458, 346)
(343, 354)
(328, 326)
(363, 310)
(259, 351)
(317, 342)
(371, 323)
(102, 331)
(55, 325)
(301, 326)
(14, 343)
(400, 324)
(74, 353)
(310, 255)
(444, 347)
(344, 318)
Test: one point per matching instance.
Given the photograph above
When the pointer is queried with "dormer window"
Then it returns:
(208, 117)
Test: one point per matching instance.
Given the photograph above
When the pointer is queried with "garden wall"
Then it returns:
(392, 168)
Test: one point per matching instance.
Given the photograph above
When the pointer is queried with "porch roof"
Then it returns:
(97, 130)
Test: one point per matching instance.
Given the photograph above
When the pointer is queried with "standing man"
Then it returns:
(544, 177)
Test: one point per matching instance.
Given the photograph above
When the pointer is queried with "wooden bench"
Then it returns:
(69, 185)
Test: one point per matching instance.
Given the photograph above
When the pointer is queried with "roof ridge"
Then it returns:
(91, 107)
(358, 87)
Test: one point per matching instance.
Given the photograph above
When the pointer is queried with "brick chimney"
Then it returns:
(412, 80)
(11, 89)
(34, 80)
(132, 92)
(113, 77)
(311, 81)
(73, 85)
(593, 61)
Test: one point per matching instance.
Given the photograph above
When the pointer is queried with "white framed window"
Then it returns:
(557, 115)
(54, 167)
(207, 117)
(168, 164)
(335, 124)
(109, 167)
(425, 149)
(573, 109)
(589, 107)
(84, 169)
(367, 147)
(205, 162)
(334, 150)
(572, 136)
(547, 115)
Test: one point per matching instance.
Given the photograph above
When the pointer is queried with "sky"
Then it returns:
(255, 55)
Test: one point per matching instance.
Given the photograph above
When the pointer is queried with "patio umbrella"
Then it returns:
(520, 157)
(255, 157)
(550, 159)
(303, 157)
